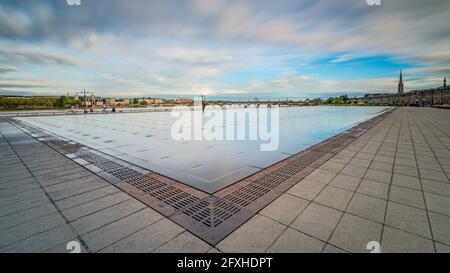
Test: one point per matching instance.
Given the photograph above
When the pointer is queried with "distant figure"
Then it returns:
(92, 110)
(114, 109)
(85, 111)
(203, 105)
(104, 110)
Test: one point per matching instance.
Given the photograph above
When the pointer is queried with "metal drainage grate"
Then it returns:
(116, 169)
(296, 166)
(273, 179)
(70, 148)
(125, 173)
(65, 147)
(90, 157)
(146, 184)
(247, 194)
(285, 171)
(211, 211)
(174, 197)
(168, 194)
(109, 166)
(57, 143)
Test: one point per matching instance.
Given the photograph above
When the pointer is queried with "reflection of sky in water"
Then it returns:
(145, 140)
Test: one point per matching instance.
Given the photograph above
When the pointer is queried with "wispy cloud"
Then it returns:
(7, 70)
(36, 57)
(288, 47)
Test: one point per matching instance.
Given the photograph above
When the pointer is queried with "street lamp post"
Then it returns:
(84, 92)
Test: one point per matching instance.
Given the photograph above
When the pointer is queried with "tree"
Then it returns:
(339, 100)
(344, 98)
(61, 101)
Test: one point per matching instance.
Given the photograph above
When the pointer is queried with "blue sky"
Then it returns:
(286, 48)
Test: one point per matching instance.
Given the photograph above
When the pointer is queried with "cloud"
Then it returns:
(437, 70)
(21, 84)
(34, 57)
(7, 70)
(195, 56)
(221, 47)
(14, 23)
(343, 58)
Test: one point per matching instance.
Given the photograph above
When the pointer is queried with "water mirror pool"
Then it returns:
(145, 139)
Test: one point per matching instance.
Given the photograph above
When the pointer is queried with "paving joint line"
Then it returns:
(51, 200)
(421, 185)
(392, 174)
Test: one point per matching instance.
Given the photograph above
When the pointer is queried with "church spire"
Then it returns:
(445, 82)
(400, 83)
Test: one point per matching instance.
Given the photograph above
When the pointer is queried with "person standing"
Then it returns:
(203, 104)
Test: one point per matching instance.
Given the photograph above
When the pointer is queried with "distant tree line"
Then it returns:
(142, 102)
(344, 99)
(38, 102)
(339, 100)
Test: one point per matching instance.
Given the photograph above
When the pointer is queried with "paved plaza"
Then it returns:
(391, 185)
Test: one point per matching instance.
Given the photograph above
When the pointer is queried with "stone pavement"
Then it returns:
(391, 186)
(47, 200)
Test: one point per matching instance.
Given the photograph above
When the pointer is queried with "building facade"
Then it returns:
(425, 97)
(116, 102)
(151, 101)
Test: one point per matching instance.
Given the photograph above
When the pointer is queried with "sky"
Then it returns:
(286, 48)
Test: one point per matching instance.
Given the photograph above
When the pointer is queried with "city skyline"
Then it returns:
(222, 48)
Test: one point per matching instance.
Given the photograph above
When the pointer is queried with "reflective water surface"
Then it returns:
(145, 139)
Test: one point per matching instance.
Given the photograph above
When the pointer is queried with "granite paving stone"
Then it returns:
(408, 218)
(368, 207)
(307, 189)
(354, 233)
(293, 241)
(407, 196)
(438, 203)
(334, 197)
(184, 243)
(398, 241)
(440, 225)
(148, 239)
(373, 188)
(285, 209)
(257, 235)
(318, 221)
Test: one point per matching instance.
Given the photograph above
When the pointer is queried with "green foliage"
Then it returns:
(339, 100)
(37, 102)
(316, 101)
